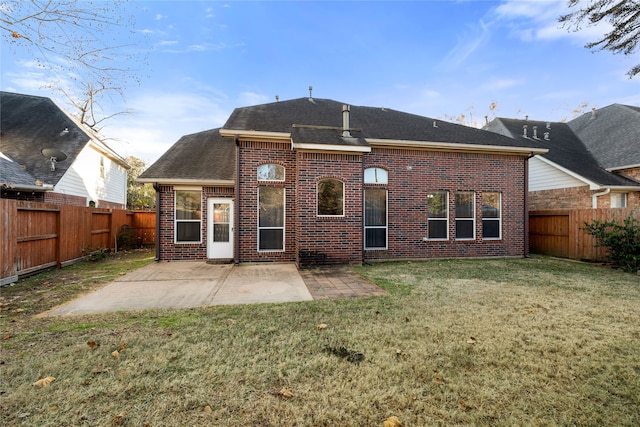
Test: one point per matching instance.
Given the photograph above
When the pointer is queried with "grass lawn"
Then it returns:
(501, 342)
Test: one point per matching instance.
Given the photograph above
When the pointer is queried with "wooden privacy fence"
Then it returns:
(559, 232)
(35, 236)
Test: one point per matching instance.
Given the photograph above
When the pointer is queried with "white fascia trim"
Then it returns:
(452, 146)
(256, 135)
(617, 168)
(101, 148)
(198, 182)
(26, 187)
(623, 188)
(592, 185)
(309, 146)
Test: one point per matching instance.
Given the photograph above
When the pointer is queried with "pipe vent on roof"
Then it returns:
(548, 125)
(546, 136)
(345, 121)
(535, 132)
(524, 131)
(593, 112)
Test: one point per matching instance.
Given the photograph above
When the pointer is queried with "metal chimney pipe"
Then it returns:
(345, 121)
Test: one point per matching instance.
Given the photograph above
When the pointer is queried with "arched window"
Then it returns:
(270, 172)
(376, 176)
(330, 197)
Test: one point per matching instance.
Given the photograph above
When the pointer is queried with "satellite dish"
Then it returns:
(52, 153)
(54, 156)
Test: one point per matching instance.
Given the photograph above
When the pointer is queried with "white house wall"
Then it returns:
(543, 176)
(87, 178)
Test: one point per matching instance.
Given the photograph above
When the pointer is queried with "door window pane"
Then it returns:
(271, 218)
(375, 218)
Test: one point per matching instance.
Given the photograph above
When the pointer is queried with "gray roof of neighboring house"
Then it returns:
(565, 148)
(13, 176)
(612, 135)
(297, 117)
(29, 124)
(202, 156)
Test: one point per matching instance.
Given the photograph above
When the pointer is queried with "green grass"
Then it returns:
(503, 342)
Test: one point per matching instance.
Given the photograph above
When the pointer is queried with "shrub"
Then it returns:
(126, 237)
(621, 240)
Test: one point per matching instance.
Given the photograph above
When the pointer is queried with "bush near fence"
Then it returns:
(560, 232)
(35, 236)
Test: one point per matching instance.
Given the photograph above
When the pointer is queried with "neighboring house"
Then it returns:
(318, 182)
(47, 156)
(593, 161)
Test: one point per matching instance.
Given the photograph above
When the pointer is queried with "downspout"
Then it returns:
(158, 234)
(594, 198)
(526, 206)
(236, 210)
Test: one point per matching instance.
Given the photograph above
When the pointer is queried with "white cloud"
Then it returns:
(467, 44)
(500, 84)
(252, 98)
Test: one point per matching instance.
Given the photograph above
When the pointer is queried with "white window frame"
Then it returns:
(386, 222)
(376, 176)
(498, 219)
(445, 219)
(284, 221)
(466, 219)
(176, 220)
(276, 167)
(344, 191)
(621, 197)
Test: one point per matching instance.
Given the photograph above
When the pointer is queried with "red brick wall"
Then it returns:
(413, 173)
(633, 173)
(252, 155)
(561, 198)
(169, 250)
(64, 199)
(329, 240)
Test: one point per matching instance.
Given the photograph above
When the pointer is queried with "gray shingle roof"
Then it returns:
(612, 134)
(565, 148)
(12, 175)
(370, 122)
(203, 156)
(32, 123)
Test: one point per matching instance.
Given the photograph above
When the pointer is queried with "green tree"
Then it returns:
(139, 196)
(624, 17)
(621, 240)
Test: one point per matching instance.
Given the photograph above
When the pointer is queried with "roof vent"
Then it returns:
(277, 98)
(310, 92)
(546, 136)
(535, 132)
(524, 131)
(435, 124)
(593, 112)
(345, 121)
(548, 125)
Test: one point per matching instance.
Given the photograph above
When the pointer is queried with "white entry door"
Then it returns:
(220, 228)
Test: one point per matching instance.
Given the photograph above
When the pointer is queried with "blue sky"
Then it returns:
(439, 59)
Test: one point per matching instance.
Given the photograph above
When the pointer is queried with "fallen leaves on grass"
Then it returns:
(392, 422)
(472, 340)
(207, 409)
(322, 326)
(284, 393)
(93, 344)
(6, 337)
(115, 354)
(118, 419)
(44, 382)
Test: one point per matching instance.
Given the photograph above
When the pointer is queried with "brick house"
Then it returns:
(593, 161)
(47, 156)
(314, 181)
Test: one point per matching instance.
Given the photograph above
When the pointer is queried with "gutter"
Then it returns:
(236, 206)
(156, 187)
(594, 198)
(19, 187)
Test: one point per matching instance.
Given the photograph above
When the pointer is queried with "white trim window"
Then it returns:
(188, 216)
(491, 216)
(330, 195)
(375, 218)
(618, 200)
(271, 218)
(438, 215)
(465, 215)
(271, 172)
